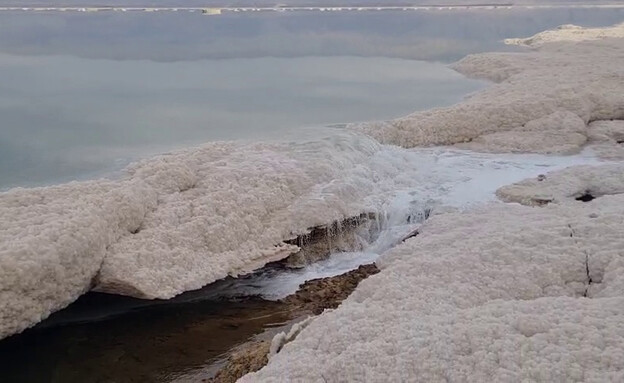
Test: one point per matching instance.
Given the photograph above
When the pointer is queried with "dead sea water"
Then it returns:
(83, 95)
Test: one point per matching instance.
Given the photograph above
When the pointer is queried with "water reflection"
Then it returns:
(154, 344)
(66, 116)
(81, 95)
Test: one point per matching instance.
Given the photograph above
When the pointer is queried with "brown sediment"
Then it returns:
(321, 241)
(316, 295)
(313, 297)
(247, 358)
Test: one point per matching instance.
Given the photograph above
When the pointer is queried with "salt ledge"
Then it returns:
(504, 292)
(180, 221)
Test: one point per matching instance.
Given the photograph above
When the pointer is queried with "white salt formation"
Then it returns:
(176, 222)
(180, 221)
(542, 103)
(504, 293)
(568, 32)
(607, 138)
(225, 209)
(576, 182)
(53, 241)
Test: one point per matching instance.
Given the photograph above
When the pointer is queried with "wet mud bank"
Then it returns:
(313, 298)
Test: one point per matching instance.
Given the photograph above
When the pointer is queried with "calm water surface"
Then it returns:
(82, 95)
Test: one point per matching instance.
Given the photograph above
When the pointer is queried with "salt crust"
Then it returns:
(505, 292)
(180, 221)
(501, 293)
(542, 102)
(568, 32)
(563, 185)
(607, 139)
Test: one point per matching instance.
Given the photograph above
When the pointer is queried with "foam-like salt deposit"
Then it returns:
(180, 221)
(503, 292)
(500, 293)
(53, 241)
(542, 102)
(570, 183)
(176, 222)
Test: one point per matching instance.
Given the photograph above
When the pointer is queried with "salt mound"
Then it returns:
(53, 241)
(225, 209)
(607, 138)
(582, 183)
(541, 103)
(180, 221)
(502, 293)
(568, 32)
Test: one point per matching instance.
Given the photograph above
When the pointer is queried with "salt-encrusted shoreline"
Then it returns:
(180, 221)
(504, 292)
(542, 102)
(177, 222)
(501, 293)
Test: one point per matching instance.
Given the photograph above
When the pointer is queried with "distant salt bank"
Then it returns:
(506, 292)
(542, 101)
(216, 11)
(180, 221)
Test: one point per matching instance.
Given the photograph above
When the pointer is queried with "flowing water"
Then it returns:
(82, 96)
(104, 338)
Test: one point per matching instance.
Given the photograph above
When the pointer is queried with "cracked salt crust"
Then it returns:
(495, 294)
(505, 292)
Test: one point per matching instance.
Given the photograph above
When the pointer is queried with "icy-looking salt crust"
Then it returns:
(542, 102)
(496, 294)
(503, 292)
(180, 221)
(440, 179)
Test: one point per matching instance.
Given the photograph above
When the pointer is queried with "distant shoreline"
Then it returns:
(219, 10)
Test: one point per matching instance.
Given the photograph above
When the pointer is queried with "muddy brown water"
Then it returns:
(104, 338)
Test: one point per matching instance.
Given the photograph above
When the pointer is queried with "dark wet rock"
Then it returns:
(321, 241)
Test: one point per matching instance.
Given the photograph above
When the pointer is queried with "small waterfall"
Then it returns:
(336, 248)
